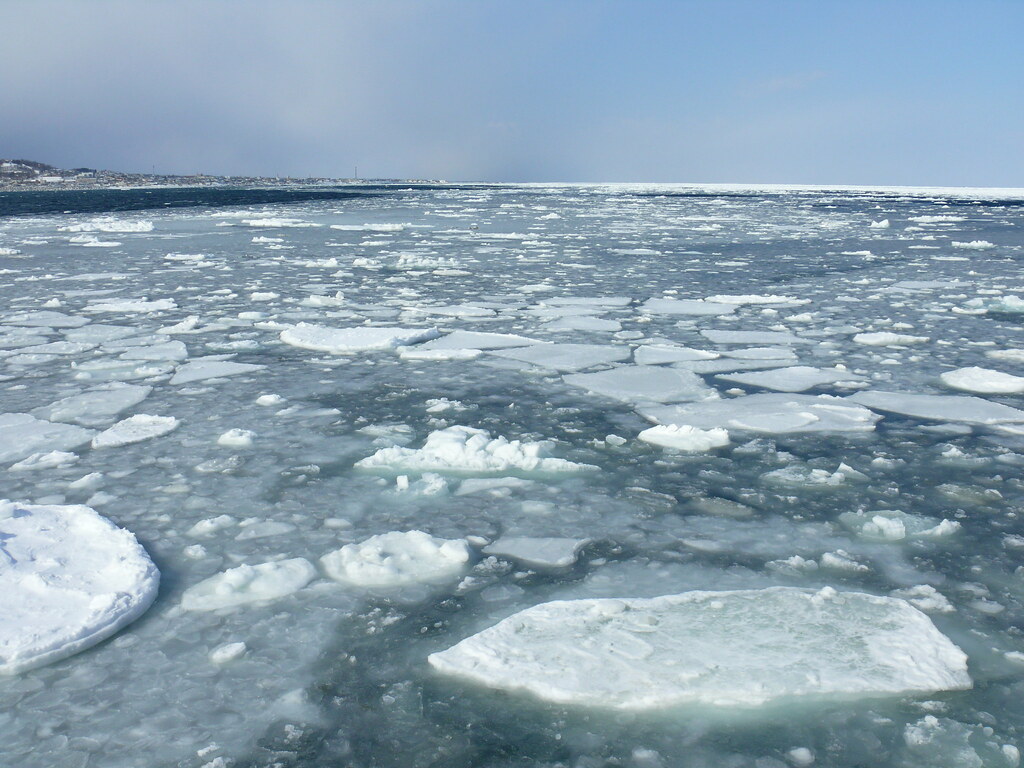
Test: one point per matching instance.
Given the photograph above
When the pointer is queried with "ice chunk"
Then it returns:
(44, 461)
(249, 584)
(956, 408)
(170, 350)
(132, 305)
(339, 341)
(683, 437)
(200, 370)
(657, 354)
(236, 438)
(468, 451)
(895, 525)
(22, 435)
(983, 381)
(643, 384)
(135, 429)
(478, 340)
(769, 413)
(753, 337)
(566, 357)
(724, 649)
(697, 307)
(974, 245)
(45, 319)
(96, 406)
(753, 298)
(397, 559)
(793, 379)
(537, 552)
(888, 339)
(70, 578)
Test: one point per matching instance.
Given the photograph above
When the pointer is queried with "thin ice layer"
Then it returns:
(339, 341)
(770, 414)
(70, 578)
(468, 451)
(725, 649)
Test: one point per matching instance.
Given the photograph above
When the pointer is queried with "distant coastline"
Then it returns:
(24, 175)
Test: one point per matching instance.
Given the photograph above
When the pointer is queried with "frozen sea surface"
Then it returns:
(253, 382)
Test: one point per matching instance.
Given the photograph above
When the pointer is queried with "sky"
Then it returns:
(904, 92)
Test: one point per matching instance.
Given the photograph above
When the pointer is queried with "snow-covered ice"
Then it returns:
(719, 649)
(683, 437)
(339, 341)
(397, 559)
(983, 381)
(70, 579)
(246, 584)
(135, 429)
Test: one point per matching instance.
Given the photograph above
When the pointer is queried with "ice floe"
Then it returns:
(896, 525)
(200, 370)
(397, 559)
(135, 429)
(339, 341)
(70, 578)
(793, 379)
(553, 552)
(955, 408)
(249, 584)
(468, 451)
(22, 435)
(566, 357)
(983, 381)
(683, 437)
(643, 384)
(769, 413)
(721, 649)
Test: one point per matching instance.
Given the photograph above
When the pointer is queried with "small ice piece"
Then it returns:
(983, 381)
(683, 437)
(249, 584)
(49, 460)
(200, 370)
(753, 298)
(803, 477)
(926, 598)
(397, 559)
(566, 358)
(793, 379)
(956, 408)
(211, 525)
(643, 384)
(888, 339)
(722, 649)
(538, 552)
(769, 413)
(132, 305)
(883, 224)
(135, 429)
(801, 757)
(222, 654)
(340, 341)
(269, 400)
(753, 337)
(896, 525)
(659, 354)
(478, 340)
(500, 485)
(22, 435)
(973, 245)
(236, 438)
(95, 407)
(70, 578)
(695, 307)
(467, 451)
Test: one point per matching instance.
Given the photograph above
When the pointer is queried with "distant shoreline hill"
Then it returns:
(33, 175)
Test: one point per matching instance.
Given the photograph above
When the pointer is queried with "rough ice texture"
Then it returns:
(643, 384)
(723, 649)
(468, 451)
(683, 437)
(983, 380)
(70, 578)
(339, 341)
(397, 559)
(249, 584)
(796, 378)
(959, 408)
(22, 435)
(770, 413)
(135, 429)
(537, 552)
(566, 357)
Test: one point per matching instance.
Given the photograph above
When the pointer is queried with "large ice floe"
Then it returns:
(769, 413)
(397, 559)
(70, 578)
(722, 649)
(22, 435)
(468, 451)
(958, 408)
(340, 341)
(644, 384)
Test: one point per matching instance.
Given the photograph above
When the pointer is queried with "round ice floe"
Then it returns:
(70, 578)
(469, 451)
(727, 649)
(683, 437)
(983, 381)
(249, 584)
(135, 429)
(397, 559)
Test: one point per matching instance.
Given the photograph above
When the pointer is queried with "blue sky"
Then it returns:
(761, 91)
